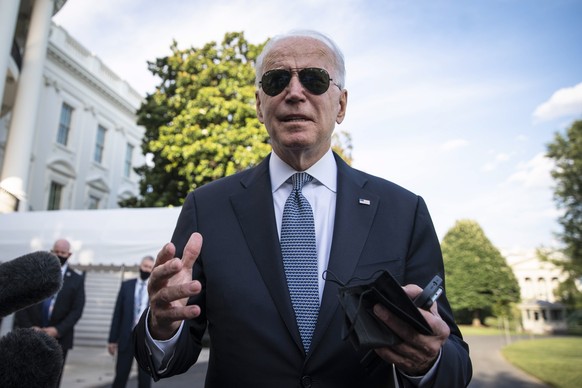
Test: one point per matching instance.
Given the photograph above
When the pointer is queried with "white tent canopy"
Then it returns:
(108, 237)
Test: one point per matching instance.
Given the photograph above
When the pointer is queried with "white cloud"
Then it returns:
(454, 144)
(534, 173)
(497, 160)
(564, 102)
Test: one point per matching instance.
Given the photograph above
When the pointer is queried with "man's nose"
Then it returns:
(295, 87)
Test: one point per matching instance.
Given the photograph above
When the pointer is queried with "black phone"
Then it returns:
(430, 293)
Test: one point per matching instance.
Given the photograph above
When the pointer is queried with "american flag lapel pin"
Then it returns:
(363, 201)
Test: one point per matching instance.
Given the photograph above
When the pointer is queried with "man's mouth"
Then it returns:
(295, 118)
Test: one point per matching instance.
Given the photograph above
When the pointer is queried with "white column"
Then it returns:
(15, 169)
(8, 17)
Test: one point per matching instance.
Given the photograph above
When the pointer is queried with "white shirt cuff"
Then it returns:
(161, 351)
(423, 381)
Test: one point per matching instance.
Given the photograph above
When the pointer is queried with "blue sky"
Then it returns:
(455, 101)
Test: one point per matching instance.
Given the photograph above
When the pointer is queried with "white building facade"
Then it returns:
(68, 132)
(538, 280)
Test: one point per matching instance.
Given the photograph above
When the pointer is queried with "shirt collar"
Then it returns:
(324, 171)
(64, 268)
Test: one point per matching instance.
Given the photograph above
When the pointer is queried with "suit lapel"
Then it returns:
(253, 207)
(355, 210)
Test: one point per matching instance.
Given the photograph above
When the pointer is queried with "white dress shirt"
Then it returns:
(141, 301)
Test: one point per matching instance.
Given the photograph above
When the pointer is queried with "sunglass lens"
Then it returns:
(315, 80)
(274, 81)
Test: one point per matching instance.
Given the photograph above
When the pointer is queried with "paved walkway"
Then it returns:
(94, 368)
(491, 370)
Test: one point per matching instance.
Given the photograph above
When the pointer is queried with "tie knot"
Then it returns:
(299, 179)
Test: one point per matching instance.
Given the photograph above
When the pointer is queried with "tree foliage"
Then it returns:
(200, 122)
(566, 152)
(478, 277)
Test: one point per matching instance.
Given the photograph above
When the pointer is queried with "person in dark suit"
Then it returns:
(58, 315)
(237, 283)
(132, 300)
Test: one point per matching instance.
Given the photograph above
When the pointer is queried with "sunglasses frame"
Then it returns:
(301, 74)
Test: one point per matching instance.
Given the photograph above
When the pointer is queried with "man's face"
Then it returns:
(62, 250)
(147, 266)
(300, 122)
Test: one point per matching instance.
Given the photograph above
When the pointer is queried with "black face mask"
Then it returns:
(63, 260)
(143, 274)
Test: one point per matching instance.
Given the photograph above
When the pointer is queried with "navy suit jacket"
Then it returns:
(245, 301)
(67, 309)
(123, 315)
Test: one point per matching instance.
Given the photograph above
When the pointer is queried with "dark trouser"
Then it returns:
(123, 368)
(63, 367)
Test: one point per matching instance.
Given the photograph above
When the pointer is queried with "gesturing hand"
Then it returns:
(170, 286)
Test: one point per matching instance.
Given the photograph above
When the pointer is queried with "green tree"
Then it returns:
(200, 122)
(566, 152)
(479, 281)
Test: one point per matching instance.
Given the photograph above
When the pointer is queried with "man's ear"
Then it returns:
(258, 107)
(343, 103)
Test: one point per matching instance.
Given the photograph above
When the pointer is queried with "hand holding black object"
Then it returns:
(382, 316)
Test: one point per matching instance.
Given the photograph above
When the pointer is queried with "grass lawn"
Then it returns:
(555, 360)
(481, 330)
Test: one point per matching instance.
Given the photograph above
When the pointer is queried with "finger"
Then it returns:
(412, 290)
(192, 250)
(165, 254)
(164, 267)
(162, 274)
(176, 314)
(438, 325)
(165, 297)
(392, 321)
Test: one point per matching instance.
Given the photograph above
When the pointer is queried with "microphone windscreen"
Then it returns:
(29, 358)
(27, 280)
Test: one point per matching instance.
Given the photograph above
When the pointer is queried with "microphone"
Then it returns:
(27, 280)
(30, 358)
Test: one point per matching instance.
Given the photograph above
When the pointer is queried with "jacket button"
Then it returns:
(306, 381)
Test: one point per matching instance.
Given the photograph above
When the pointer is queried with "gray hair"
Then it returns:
(338, 57)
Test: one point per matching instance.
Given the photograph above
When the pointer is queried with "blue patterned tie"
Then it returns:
(300, 258)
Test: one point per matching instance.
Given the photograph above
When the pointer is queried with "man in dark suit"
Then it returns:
(58, 315)
(239, 283)
(132, 300)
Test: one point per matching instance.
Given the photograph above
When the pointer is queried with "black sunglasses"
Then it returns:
(314, 79)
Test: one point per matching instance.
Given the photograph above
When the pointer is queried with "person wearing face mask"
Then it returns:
(132, 300)
(58, 315)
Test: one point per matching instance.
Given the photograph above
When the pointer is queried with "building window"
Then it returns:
(55, 193)
(64, 124)
(128, 158)
(94, 202)
(99, 144)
